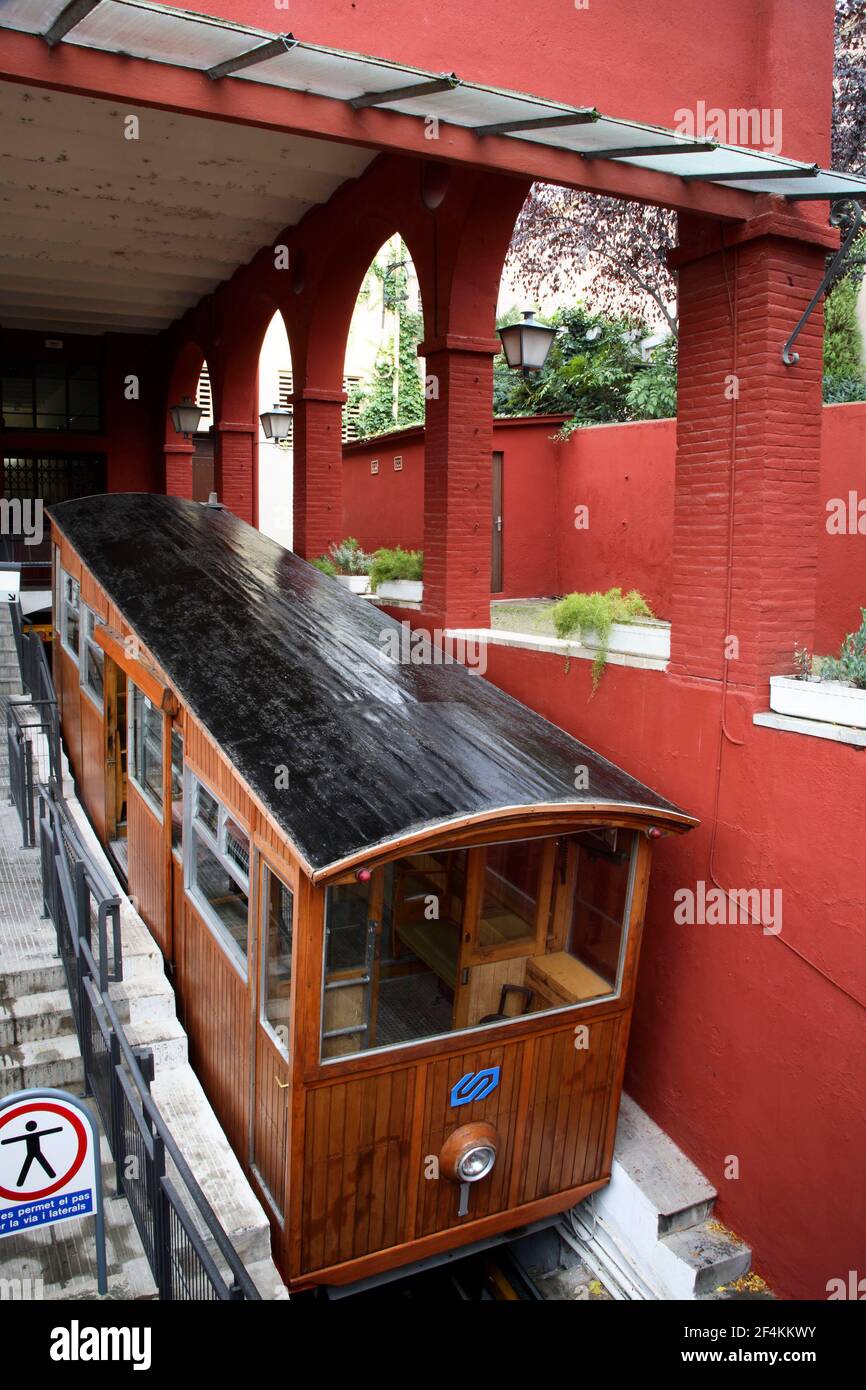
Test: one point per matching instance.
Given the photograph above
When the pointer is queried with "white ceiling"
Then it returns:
(100, 232)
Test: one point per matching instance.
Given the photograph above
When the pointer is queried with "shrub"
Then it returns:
(324, 564)
(850, 665)
(395, 564)
(347, 557)
(598, 612)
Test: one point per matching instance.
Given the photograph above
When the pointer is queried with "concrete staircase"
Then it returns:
(650, 1233)
(10, 677)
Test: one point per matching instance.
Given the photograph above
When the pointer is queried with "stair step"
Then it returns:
(41, 978)
(35, 1016)
(42, 1062)
(164, 1037)
(708, 1256)
(676, 1191)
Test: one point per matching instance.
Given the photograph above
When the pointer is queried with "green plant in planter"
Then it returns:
(395, 564)
(598, 612)
(347, 557)
(324, 565)
(850, 665)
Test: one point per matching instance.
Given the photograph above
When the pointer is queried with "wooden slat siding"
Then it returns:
(437, 1204)
(216, 1019)
(145, 839)
(272, 1121)
(356, 1171)
(92, 594)
(93, 770)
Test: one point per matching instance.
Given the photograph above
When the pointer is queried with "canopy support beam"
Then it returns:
(446, 83)
(585, 117)
(281, 44)
(809, 172)
(789, 356)
(650, 151)
(73, 14)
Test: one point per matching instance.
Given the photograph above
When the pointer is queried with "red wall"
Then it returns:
(624, 475)
(626, 57)
(741, 1046)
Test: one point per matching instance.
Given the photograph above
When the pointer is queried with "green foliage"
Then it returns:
(593, 373)
(347, 557)
(324, 564)
(844, 376)
(850, 665)
(394, 398)
(652, 394)
(597, 612)
(395, 564)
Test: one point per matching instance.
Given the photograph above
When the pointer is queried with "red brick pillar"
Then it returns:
(178, 469)
(458, 480)
(236, 468)
(748, 449)
(318, 470)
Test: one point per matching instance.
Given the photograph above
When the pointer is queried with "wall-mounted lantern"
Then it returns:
(186, 417)
(526, 344)
(276, 423)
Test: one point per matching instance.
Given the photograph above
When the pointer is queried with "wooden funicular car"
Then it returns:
(404, 945)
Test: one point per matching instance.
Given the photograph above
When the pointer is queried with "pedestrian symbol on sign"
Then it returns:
(49, 1165)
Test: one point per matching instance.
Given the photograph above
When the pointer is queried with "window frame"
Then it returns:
(63, 629)
(617, 994)
(88, 621)
(265, 870)
(195, 829)
(132, 753)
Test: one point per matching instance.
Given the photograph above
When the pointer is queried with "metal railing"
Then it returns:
(32, 728)
(189, 1253)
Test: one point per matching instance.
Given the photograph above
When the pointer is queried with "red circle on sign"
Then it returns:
(80, 1133)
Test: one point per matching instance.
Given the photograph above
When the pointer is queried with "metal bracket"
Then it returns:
(789, 357)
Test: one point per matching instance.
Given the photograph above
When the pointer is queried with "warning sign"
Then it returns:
(48, 1162)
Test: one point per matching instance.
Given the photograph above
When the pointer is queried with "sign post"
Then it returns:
(50, 1165)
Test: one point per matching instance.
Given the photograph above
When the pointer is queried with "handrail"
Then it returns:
(88, 982)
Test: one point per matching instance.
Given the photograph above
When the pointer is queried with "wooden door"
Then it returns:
(115, 751)
(269, 1123)
(496, 542)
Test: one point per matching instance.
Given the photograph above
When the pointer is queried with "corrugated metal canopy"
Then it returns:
(286, 669)
(201, 42)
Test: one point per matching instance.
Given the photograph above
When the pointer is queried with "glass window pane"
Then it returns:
(18, 400)
(94, 658)
(152, 750)
(71, 615)
(237, 847)
(277, 965)
(600, 901)
(50, 390)
(224, 895)
(176, 788)
(83, 403)
(207, 809)
(510, 893)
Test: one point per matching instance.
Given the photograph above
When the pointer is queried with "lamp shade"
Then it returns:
(186, 416)
(276, 423)
(526, 344)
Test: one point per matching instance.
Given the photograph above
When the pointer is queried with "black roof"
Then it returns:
(285, 668)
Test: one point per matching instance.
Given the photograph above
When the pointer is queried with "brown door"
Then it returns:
(272, 1032)
(202, 467)
(115, 751)
(496, 545)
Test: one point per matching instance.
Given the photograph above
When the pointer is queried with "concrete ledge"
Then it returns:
(812, 728)
(553, 646)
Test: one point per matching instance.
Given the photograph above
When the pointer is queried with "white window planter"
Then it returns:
(634, 639)
(832, 702)
(401, 590)
(355, 583)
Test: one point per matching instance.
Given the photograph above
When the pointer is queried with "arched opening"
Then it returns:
(275, 457)
(383, 375)
(203, 441)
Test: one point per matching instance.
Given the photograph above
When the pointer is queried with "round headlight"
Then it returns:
(476, 1163)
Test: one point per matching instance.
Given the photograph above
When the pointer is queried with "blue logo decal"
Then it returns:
(475, 1085)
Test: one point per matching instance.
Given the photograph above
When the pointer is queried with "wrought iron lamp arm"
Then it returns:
(789, 357)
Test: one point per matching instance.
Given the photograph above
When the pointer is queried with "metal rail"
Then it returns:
(172, 1214)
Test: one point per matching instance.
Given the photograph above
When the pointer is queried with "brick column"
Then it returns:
(457, 480)
(178, 469)
(318, 470)
(748, 449)
(236, 468)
